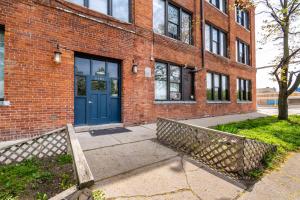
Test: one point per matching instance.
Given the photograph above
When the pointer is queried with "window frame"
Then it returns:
(246, 52)
(220, 87)
(211, 41)
(218, 5)
(244, 94)
(86, 3)
(166, 21)
(168, 82)
(242, 17)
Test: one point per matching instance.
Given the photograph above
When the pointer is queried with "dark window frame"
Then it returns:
(166, 21)
(242, 17)
(220, 88)
(244, 93)
(245, 58)
(218, 5)
(110, 9)
(168, 81)
(219, 31)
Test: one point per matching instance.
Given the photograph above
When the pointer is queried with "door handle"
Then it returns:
(90, 102)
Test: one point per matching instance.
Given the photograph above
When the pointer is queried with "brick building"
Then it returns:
(126, 61)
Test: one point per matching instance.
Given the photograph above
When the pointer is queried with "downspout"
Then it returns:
(202, 33)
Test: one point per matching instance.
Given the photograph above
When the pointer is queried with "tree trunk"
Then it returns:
(282, 105)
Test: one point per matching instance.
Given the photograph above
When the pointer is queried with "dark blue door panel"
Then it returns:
(80, 110)
(101, 86)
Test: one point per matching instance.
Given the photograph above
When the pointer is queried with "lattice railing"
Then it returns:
(47, 145)
(227, 153)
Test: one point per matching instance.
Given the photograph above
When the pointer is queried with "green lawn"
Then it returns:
(284, 134)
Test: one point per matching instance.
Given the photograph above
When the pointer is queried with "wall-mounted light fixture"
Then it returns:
(57, 55)
(134, 68)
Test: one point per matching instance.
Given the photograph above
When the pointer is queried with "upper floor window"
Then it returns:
(119, 9)
(242, 17)
(244, 90)
(215, 40)
(243, 52)
(220, 4)
(217, 87)
(173, 83)
(172, 21)
(1, 64)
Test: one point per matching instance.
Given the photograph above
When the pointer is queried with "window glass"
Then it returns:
(209, 86)
(217, 87)
(79, 2)
(223, 5)
(175, 74)
(99, 5)
(207, 37)
(114, 88)
(112, 69)
(215, 40)
(186, 28)
(98, 68)
(120, 9)
(82, 66)
(222, 44)
(98, 85)
(160, 81)
(159, 16)
(173, 18)
(80, 86)
(225, 85)
(173, 14)
(1, 64)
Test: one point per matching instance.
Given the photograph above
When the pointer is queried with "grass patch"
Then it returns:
(27, 180)
(284, 134)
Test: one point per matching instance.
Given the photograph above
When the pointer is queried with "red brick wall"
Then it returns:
(41, 92)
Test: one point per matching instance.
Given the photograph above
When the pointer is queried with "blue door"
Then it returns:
(97, 93)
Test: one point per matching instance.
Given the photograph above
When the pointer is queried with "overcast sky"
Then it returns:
(265, 54)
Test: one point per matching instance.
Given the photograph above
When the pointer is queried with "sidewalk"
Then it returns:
(133, 165)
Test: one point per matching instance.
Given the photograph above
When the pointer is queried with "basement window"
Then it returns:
(120, 9)
(172, 21)
(173, 83)
(244, 88)
(1, 64)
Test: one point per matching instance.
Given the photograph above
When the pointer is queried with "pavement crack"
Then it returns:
(149, 196)
(186, 178)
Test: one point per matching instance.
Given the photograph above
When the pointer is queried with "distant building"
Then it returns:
(269, 97)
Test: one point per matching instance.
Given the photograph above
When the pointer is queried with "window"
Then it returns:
(220, 4)
(243, 52)
(244, 89)
(172, 21)
(242, 17)
(119, 9)
(173, 83)
(217, 87)
(215, 40)
(1, 64)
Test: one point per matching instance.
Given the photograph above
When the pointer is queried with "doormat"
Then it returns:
(109, 131)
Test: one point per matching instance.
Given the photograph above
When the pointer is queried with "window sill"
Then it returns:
(173, 39)
(225, 14)
(175, 102)
(218, 102)
(243, 27)
(4, 103)
(243, 64)
(217, 55)
(244, 102)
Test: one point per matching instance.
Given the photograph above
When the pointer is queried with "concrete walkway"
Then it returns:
(133, 165)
